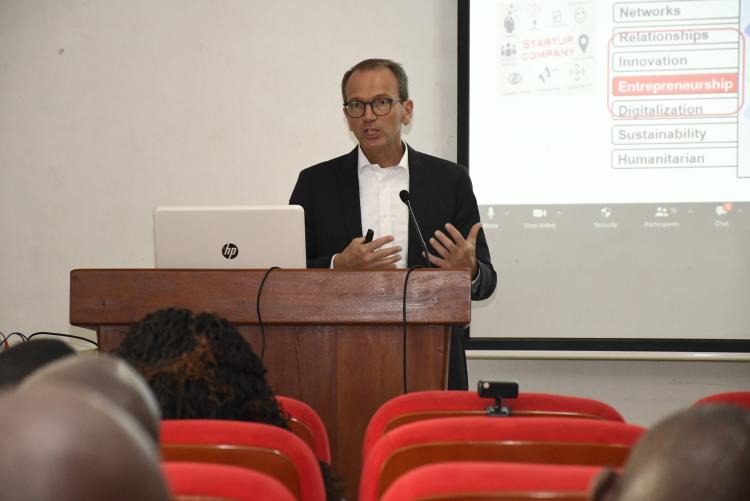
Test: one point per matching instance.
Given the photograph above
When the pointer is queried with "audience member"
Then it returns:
(109, 377)
(68, 444)
(698, 454)
(200, 367)
(24, 358)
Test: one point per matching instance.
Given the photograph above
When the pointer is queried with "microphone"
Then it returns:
(404, 195)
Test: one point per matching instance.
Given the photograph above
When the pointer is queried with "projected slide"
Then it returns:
(609, 147)
(608, 102)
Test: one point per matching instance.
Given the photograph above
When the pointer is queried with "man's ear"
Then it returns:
(603, 487)
(408, 110)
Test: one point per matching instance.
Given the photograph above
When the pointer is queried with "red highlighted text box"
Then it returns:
(667, 85)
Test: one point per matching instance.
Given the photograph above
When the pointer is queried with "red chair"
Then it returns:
(435, 404)
(268, 449)
(500, 481)
(218, 481)
(741, 398)
(306, 424)
(526, 440)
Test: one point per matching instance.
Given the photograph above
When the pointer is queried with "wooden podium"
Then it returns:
(334, 339)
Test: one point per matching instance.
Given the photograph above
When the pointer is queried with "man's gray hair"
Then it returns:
(372, 64)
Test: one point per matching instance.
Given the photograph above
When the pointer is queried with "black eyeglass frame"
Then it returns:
(372, 106)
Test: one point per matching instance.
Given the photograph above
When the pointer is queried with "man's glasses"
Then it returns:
(380, 106)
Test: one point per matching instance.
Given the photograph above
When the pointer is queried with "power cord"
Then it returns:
(257, 309)
(6, 339)
(17, 334)
(60, 334)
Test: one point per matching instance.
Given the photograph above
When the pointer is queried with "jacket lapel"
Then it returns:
(420, 204)
(349, 190)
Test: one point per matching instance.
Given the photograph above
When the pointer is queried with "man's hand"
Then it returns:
(359, 255)
(455, 250)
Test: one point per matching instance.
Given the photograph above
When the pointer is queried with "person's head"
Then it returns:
(377, 126)
(200, 367)
(698, 454)
(24, 358)
(68, 444)
(109, 377)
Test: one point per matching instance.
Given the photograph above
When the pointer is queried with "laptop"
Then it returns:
(259, 236)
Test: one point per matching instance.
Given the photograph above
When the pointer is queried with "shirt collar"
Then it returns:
(363, 162)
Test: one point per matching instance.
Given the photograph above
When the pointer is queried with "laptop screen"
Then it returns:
(257, 237)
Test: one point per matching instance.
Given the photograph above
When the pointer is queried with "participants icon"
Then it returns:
(508, 50)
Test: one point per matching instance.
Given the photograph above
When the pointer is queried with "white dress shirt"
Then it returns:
(381, 208)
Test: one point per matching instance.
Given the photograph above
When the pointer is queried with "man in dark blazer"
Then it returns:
(362, 187)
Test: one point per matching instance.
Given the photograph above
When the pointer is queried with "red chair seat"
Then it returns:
(479, 481)
(222, 482)
(741, 398)
(262, 447)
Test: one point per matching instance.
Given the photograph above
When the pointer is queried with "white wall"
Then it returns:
(110, 108)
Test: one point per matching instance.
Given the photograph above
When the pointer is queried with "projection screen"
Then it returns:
(609, 147)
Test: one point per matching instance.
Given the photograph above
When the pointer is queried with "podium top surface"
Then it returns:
(289, 297)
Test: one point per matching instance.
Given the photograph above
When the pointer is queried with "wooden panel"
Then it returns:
(300, 297)
(427, 349)
(109, 337)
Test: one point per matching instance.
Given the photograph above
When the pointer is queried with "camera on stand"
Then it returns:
(497, 390)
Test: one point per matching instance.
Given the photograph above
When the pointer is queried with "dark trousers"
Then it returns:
(458, 376)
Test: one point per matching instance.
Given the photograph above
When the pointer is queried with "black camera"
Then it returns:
(498, 390)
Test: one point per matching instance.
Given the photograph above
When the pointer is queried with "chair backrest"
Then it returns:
(265, 448)
(528, 440)
(306, 424)
(422, 405)
(188, 481)
(741, 398)
(498, 481)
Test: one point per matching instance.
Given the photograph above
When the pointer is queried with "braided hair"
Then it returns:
(200, 367)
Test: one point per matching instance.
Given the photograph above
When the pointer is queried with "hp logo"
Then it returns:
(230, 251)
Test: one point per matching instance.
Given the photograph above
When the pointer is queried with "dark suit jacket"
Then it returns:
(440, 192)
